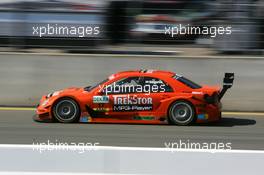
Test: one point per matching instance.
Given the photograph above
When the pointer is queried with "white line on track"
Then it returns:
(51, 173)
(117, 148)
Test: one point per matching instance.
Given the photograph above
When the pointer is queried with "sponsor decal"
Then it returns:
(132, 108)
(144, 118)
(100, 99)
(85, 119)
(155, 82)
(131, 100)
(101, 109)
(132, 103)
(202, 116)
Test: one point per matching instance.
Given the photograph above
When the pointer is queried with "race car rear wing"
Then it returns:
(227, 83)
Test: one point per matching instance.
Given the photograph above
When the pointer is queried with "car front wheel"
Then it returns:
(66, 110)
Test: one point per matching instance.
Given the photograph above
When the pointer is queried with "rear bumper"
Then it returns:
(212, 113)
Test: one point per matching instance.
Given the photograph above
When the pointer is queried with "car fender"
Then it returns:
(166, 103)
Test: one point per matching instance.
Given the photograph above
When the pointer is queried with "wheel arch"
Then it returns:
(62, 97)
(185, 100)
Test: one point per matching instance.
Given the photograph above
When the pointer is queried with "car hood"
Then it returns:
(71, 90)
(67, 91)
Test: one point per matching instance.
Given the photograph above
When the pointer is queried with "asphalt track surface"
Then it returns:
(242, 130)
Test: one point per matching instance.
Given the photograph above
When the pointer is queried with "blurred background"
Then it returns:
(125, 35)
(135, 24)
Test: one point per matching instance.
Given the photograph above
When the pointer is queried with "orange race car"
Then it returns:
(143, 96)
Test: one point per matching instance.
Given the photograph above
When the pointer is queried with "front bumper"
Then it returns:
(43, 114)
(39, 119)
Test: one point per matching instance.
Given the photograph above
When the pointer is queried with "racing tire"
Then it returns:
(181, 113)
(66, 110)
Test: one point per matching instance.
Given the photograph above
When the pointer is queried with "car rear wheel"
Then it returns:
(181, 113)
(66, 110)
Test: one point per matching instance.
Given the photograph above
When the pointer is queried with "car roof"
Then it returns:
(145, 72)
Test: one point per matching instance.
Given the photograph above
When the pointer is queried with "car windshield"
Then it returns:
(187, 82)
(89, 88)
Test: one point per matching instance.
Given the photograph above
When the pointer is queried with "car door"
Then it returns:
(124, 98)
(158, 90)
(137, 96)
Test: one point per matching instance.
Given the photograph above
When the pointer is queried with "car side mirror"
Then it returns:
(101, 92)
